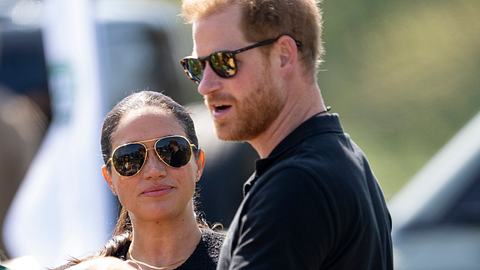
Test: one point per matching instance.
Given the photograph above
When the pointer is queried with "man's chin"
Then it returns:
(236, 135)
(225, 133)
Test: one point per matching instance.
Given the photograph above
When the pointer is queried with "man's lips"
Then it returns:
(218, 110)
(219, 104)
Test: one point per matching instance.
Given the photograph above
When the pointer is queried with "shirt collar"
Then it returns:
(317, 124)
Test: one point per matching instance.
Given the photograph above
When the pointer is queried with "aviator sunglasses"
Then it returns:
(174, 151)
(223, 63)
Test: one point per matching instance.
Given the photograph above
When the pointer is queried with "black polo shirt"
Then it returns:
(313, 203)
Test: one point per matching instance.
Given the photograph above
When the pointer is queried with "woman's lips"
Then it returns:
(157, 191)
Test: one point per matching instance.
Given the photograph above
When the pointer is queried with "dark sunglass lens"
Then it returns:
(128, 159)
(224, 64)
(193, 67)
(174, 151)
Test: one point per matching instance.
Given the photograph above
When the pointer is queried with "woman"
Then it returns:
(157, 226)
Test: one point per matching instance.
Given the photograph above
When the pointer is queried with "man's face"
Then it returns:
(244, 106)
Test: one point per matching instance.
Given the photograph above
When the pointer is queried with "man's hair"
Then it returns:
(264, 19)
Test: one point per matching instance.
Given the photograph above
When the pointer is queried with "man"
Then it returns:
(313, 202)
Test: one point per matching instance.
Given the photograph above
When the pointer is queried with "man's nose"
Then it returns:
(210, 81)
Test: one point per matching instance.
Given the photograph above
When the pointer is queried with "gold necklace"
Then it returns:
(140, 263)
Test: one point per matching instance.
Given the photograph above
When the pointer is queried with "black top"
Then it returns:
(205, 255)
(313, 203)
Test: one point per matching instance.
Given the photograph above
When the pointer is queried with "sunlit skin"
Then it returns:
(267, 98)
(158, 198)
(240, 107)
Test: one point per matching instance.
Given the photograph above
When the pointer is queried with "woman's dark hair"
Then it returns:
(139, 100)
(122, 234)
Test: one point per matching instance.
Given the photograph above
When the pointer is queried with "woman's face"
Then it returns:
(157, 192)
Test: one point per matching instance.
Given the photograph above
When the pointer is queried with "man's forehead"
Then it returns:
(228, 17)
(219, 31)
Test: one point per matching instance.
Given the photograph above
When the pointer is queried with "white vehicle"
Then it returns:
(436, 217)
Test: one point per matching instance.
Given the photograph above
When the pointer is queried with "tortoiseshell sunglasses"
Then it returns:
(223, 63)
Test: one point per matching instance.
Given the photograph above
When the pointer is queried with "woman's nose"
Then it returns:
(154, 167)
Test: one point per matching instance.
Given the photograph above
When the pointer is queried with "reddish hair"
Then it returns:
(264, 19)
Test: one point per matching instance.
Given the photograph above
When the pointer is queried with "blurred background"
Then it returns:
(403, 75)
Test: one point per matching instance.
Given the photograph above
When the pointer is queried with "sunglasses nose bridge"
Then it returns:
(153, 164)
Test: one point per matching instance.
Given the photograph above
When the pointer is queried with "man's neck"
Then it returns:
(298, 108)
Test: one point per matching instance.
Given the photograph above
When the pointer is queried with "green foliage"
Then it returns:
(403, 77)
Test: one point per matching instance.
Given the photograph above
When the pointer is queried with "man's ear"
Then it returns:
(200, 164)
(287, 51)
(107, 176)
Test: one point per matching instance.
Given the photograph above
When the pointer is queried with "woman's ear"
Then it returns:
(107, 176)
(200, 164)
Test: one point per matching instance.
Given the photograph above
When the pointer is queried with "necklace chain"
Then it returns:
(140, 263)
